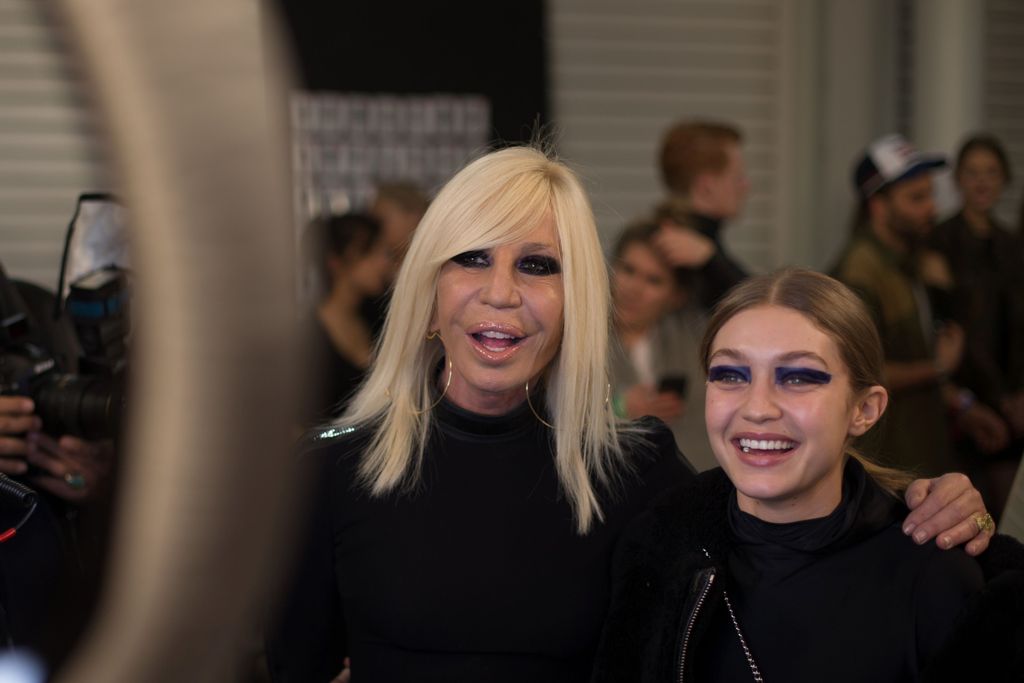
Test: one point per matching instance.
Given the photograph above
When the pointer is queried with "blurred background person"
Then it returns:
(353, 264)
(882, 263)
(654, 366)
(702, 168)
(987, 267)
(398, 207)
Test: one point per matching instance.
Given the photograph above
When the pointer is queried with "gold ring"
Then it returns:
(985, 523)
(76, 480)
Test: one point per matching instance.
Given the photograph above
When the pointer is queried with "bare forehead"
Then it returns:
(774, 333)
(642, 255)
(981, 156)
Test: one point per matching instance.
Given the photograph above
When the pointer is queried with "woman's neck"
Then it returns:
(978, 222)
(482, 402)
(343, 296)
(631, 336)
(800, 502)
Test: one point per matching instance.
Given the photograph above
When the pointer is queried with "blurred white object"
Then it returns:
(1012, 520)
(97, 238)
(21, 666)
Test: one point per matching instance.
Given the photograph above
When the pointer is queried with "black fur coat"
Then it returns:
(662, 571)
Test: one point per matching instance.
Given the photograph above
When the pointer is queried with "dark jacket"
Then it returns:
(988, 273)
(722, 272)
(477, 575)
(670, 574)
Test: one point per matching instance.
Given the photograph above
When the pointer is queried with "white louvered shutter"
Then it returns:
(49, 153)
(622, 72)
(1003, 88)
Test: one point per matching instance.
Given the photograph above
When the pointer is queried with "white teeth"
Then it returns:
(492, 334)
(765, 445)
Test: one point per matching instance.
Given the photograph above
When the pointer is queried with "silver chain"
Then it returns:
(743, 641)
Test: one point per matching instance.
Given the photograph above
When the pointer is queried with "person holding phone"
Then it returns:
(658, 327)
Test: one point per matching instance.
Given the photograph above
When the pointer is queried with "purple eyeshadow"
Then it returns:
(729, 373)
(801, 376)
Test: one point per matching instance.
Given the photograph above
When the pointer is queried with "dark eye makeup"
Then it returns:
(534, 264)
(729, 374)
(788, 376)
(538, 264)
(472, 259)
(801, 376)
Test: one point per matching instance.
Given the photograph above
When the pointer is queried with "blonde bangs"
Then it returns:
(497, 199)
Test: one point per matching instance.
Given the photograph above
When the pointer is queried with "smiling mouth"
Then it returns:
(766, 446)
(493, 340)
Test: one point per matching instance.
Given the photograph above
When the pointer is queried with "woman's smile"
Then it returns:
(763, 449)
(496, 341)
(779, 412)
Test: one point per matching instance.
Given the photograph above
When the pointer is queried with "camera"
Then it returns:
(93, 293)
(89, 403)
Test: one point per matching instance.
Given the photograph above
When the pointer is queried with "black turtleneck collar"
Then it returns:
(453, 419)
(864, 510)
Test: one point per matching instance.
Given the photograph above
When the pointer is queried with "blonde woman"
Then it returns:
(469, 499)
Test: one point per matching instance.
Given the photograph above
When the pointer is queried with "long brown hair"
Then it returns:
(835, 310)
(988, 143)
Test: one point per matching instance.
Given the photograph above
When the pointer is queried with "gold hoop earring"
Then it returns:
(433, 335)
(443, 392)
(542, 420)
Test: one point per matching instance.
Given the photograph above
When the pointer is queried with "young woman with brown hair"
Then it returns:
(790, 563)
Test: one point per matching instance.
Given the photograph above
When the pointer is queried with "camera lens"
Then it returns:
(89, 407)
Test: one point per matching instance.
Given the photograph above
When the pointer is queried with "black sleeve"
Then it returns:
(56, 330)
(307, 639)
(718, 276)
(625, 637)
(987, 643)
(947, 584)
(670, 467)
(628, 635)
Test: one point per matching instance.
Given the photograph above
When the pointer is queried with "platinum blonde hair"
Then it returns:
(497, 199)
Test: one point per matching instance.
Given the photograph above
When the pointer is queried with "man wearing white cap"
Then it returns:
(884, 263)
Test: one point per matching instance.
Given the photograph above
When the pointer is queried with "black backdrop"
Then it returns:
(493, 48)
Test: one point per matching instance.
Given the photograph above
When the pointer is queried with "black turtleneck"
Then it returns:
(477, 575)
(706, 225)
(846, 597)
(721, 272)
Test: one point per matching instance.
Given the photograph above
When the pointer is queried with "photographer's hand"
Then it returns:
(16, 419)
(76, 470)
